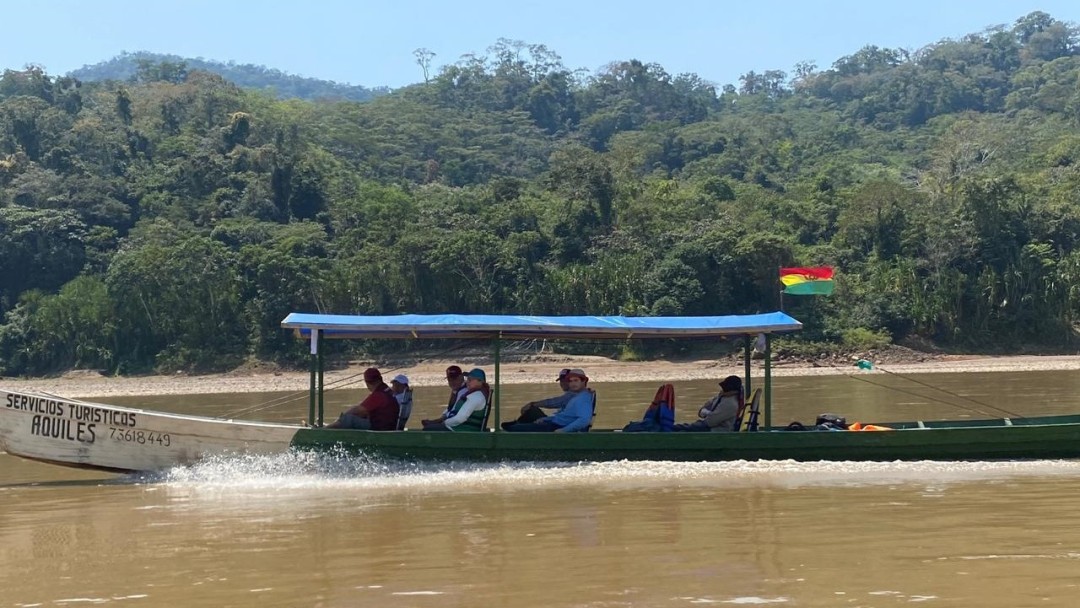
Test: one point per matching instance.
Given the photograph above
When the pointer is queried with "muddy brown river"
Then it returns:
(325, 530)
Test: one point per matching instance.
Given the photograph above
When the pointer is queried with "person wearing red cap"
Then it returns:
(377, 412)
(455, 379)
(576, 416)
(470, 412)
(531, 411)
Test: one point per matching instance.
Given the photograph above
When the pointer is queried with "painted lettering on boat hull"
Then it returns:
(53, 429)
(62, 428)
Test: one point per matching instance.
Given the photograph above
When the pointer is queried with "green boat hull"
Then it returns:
(1045, 437)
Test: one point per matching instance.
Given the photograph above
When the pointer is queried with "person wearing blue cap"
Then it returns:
(470, 411)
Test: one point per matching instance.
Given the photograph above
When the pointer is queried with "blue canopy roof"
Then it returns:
(512, 326)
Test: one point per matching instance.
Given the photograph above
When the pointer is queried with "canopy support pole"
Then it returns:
(748, 389)
(768, 381)
(495, 400)
(313, 364)
(321, 385)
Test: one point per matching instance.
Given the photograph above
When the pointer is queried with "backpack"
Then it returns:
(831, 421)
(659, 416)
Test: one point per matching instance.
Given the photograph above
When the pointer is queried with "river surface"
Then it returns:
(329, 531)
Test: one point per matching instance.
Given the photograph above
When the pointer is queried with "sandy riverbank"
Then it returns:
(430, 373)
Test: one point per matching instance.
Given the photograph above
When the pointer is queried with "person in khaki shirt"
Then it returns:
(718, 414)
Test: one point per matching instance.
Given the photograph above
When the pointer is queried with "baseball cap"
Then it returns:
(478, 373)
(562, 373)
(578, 373)
(401, 379)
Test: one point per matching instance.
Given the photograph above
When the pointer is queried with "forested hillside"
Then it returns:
(127, 66)
(172, 222)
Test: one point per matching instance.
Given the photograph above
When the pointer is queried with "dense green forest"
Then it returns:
(172, 220)
(127, 66)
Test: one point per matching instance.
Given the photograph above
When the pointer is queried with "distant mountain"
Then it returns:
(248, 76)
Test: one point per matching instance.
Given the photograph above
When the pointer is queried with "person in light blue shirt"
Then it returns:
(576, 415)
(532, 411)
(558, 402)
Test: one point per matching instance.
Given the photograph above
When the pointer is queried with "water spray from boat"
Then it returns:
(307, 471)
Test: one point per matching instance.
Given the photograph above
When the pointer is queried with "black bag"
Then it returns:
(831, 420)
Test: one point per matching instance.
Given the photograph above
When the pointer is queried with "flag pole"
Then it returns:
(780, 269)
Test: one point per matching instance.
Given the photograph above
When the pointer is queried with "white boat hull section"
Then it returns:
(80, 433)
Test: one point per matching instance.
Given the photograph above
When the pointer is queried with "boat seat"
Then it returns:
(659, 416)
(754, 406)
(404, 411)
(487, 411)
(593, 419)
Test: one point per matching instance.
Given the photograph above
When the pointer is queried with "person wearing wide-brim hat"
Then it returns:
(577, 415)
(532, 411)
(470, 411)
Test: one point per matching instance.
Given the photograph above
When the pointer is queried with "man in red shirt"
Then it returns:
(377, 412)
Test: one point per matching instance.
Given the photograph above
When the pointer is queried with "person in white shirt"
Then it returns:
(403, 393)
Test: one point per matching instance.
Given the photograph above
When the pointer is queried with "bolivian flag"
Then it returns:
(812, 281)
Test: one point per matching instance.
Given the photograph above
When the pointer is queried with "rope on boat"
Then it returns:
(914, 394)
(971, 399)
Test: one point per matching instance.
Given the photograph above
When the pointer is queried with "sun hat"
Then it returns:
(578, 373)
(731, 383)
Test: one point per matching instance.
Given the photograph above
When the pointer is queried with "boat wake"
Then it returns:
(304, 470)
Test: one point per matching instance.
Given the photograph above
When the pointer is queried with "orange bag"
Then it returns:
(858, 426)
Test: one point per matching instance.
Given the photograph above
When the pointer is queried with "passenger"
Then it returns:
(718, 414)
(456, 380)
(577, 415)
(531, 411)
(404, 394)
(402, 390)
(469, 413)
(377, 412)
(759, 347)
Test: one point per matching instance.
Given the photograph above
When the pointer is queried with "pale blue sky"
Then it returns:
(371, 43)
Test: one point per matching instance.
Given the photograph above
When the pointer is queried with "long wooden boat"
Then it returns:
(1044, 437)
(78, 433)
(96, 435)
